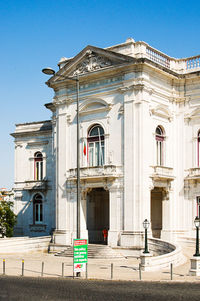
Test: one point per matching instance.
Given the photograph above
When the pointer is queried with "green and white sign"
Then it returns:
(80, 255)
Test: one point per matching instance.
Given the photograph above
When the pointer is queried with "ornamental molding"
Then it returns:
(18, 146)
(37, 143)
(178, 99)
(125, 89)
(94, 106)
(93, 62)
(195, 114)
(162, 112)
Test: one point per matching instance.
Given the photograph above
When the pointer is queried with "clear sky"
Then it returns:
(36, 33)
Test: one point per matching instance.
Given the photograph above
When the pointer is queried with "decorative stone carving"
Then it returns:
(92, 63)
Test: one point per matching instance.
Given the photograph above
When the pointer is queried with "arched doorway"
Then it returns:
(97, 214)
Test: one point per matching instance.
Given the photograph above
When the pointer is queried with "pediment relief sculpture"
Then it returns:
(91, 63)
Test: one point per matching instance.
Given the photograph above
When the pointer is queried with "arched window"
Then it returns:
(38, 166)
(159, 146)
(37, 209)
(96, 145)
(198, 149)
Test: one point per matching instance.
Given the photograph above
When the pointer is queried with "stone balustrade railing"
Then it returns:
(184, 65)
(194, 172)
(158, 57)
(162, 172)
(193, 62)
(96, 171)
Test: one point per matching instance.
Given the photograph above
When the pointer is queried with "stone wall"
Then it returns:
(24, 244)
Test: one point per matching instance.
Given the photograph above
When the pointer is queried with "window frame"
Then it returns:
(38, 209)
(38, 166)
(96, 146)
(160, 138)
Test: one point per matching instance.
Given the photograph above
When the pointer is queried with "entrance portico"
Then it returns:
(101, 204)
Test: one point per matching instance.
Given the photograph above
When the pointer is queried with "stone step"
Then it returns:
(94, 251)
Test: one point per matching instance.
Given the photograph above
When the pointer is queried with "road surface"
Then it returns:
(56, 289)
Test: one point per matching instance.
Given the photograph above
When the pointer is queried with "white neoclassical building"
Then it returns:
(139, 149)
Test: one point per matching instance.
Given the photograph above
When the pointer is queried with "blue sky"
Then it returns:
(36, 34)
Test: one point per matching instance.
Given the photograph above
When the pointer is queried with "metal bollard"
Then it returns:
(42, 271)
(140, 272)
(171, 271)
(63, 269)
(4, 267)
(111, 271)
(22, 267)
(86, 271)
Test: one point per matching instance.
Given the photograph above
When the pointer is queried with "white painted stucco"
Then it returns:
(129, 90)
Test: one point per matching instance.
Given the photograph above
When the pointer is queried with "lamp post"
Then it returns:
(50, 71)
(197, 225)
(146, 224)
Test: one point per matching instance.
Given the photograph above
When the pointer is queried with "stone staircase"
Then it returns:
(94, 251)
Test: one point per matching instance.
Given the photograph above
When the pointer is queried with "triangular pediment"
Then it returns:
(90, 59)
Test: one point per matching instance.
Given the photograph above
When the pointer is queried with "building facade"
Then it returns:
(139, 149)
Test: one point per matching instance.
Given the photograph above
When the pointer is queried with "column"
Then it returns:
(83, 215)
(114, 216)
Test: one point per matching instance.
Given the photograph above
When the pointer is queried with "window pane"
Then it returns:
(37, 170)
(102, 154)
(41, 215)
(96, 131)
(97, 154)
(91, 154)
(36, 212)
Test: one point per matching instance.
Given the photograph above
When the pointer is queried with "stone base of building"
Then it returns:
(61, 237)
(64, 237)
(113, 238)
(171, 235)
(18, 231)
(132, 239)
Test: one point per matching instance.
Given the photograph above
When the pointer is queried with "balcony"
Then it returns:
(32, 185)
(194, 173)
(96, 172)
(162, 173)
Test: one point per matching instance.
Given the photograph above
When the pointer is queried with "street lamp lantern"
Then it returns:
(146, 224)
(50, 71)
(197, 225)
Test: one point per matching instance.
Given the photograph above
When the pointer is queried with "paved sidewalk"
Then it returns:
(123, 269)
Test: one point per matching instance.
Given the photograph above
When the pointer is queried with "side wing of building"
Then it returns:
(34, 179)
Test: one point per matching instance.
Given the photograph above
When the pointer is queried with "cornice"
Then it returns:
(31, 133)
